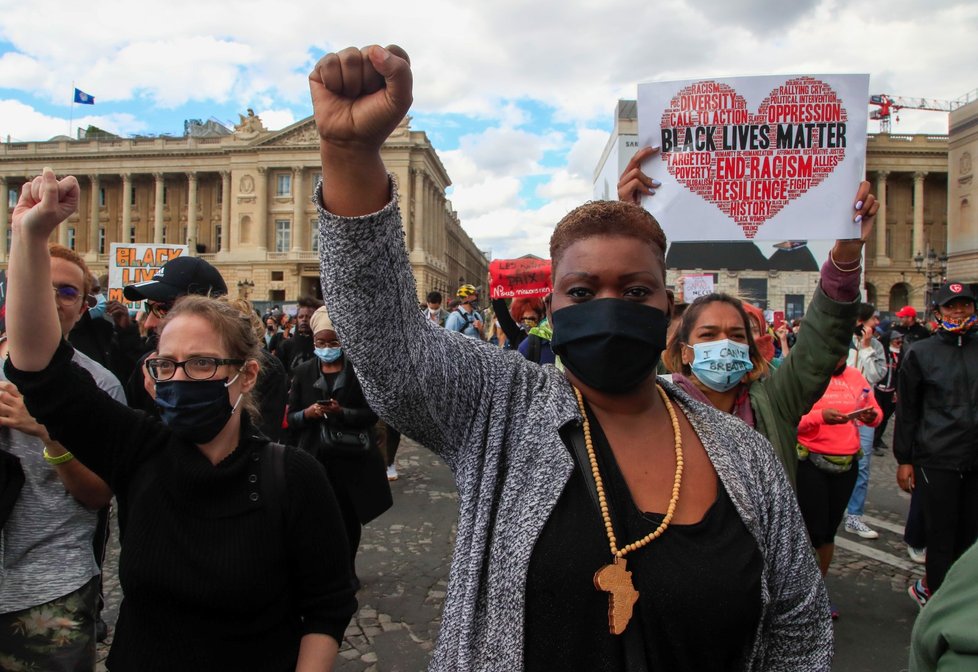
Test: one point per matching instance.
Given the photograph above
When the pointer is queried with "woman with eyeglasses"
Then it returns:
(234, 553)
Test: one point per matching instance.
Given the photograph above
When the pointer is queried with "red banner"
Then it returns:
(509, 278)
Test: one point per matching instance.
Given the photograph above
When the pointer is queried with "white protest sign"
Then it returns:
(130, 263)
(696, 285)
(765, 158)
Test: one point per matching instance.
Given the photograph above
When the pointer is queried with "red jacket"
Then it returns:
(842, 394)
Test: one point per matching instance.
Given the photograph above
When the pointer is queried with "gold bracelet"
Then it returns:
(60, 459)
(844, 270)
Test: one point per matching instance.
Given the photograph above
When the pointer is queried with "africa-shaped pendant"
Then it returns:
(622, 596)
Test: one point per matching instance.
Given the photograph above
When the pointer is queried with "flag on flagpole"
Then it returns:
(83, 98)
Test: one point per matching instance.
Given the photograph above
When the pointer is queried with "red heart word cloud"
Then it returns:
(750, 165)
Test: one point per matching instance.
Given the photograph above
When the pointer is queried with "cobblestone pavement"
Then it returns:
(404, 557)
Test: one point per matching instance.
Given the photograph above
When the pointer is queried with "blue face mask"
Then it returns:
(98, 310)
(720, 365)
(328, 355)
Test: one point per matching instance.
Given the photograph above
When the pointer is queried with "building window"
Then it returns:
(164, 234)
(220, 193)
(101, 197)
(9, 234)
(794, 306)
(183, 236)
(753, 290)
(164, 194)
(101, 240)
(277, 295)
(283, 235)
(283, 184)
(278, 276)
(217, 236)
(71, 237)
(132, 234)
(314, 228)
(132, 195)
(12, 196)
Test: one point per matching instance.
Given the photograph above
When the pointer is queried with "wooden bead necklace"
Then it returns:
(613, 578)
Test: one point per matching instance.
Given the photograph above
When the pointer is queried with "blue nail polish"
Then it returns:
(859, 205)
(656, 183)
(858, 219)
(651, 192)
(656, 147)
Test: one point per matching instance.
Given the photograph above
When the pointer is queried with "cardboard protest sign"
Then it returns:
(767, 158)
(509, 278)
(130, 263)
(696, 285)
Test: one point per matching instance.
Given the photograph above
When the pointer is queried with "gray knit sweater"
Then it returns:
(494, 418)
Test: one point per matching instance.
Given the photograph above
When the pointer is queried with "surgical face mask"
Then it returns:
(328, 355)
(611, 345)
(196, 410)
(98, 310)
(720, 365)
(894, 348)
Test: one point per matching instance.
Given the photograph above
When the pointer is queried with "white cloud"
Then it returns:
(23, 122)
(276, 119)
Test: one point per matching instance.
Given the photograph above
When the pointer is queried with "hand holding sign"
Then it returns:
(509, 278)
(44, 203)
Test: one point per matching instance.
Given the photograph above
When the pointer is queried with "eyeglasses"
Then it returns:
(196, 368)
(159, 309)
(66, 295)
(326, 344)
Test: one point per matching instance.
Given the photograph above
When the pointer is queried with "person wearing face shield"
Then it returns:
(603, 515)
(234, 554)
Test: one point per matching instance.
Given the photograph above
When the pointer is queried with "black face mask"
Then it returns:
(611, 345)
(195, 410)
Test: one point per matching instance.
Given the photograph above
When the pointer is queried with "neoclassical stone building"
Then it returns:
(963, 199)
(241, 200)
(909, 174)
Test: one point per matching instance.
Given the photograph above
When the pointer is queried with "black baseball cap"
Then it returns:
(950, 291)
(177, 277)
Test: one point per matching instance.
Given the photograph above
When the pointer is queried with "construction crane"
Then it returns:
(890, 106)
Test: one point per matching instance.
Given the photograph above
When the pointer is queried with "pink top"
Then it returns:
(843, 394)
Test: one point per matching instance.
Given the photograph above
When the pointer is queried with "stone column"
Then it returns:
(261, 206)
(300, 231)
(881, 258)
(918, 213)
(93, 209)
(158, 209)
(126, 208)
(4, 216)
(225, 210)
(192, 213)
(419, 210)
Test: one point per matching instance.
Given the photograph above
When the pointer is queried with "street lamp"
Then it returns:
(244, 288)
(933, 266)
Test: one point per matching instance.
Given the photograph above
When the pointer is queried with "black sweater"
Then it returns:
(211, 578)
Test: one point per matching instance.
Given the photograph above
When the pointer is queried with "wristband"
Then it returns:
(60, 459)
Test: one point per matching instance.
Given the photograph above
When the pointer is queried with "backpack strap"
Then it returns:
(273, 473)
(534, 350)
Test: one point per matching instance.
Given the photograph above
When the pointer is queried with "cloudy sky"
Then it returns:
(517, 97)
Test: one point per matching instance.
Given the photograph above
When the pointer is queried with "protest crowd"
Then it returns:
(244, 453)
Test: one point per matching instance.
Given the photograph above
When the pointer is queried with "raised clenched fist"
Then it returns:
(44, 203)
(359, 96)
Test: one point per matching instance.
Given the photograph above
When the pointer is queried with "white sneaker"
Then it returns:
(392, 473)
(918, 555)
(855, 525)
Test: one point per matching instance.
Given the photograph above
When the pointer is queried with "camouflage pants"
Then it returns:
(57, 636)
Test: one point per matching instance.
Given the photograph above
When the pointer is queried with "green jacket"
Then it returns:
(791, 390)
(945, 636)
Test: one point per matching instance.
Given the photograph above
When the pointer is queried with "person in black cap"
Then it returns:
(177, 277)
(934, 440)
